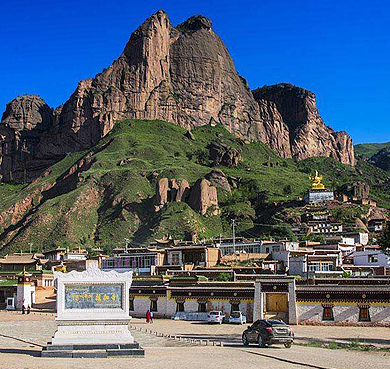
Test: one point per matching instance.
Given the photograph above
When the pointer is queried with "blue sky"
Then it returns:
(339, 49)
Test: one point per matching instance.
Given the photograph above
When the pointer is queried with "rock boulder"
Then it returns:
(222, 154)
(203, 197)
(217, 179)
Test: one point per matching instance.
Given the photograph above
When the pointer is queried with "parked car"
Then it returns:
(237, 317)
(215, 317)
(267, 332)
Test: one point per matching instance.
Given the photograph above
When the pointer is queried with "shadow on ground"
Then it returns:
(34, 353)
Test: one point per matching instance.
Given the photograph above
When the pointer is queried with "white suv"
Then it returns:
(215, 317)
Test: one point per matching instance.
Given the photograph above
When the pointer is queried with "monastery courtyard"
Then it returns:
(21, 338)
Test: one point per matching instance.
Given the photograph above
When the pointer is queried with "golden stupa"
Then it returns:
(317, 182)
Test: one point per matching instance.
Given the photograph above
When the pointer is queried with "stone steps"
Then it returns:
(93, 350)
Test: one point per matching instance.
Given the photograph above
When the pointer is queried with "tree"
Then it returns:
(384, 240)
(287, 190)
(223, 277)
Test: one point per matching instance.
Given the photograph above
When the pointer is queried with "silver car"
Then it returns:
(236, 317)
(216, 316)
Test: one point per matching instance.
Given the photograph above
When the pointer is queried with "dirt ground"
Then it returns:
(21, 338)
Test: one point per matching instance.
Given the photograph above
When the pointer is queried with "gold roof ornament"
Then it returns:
(317, 182)
(61, 268)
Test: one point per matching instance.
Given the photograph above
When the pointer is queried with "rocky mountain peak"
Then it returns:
(302, 132)
(157, 25)
(195, 23)
(27, 112)
(182, 75)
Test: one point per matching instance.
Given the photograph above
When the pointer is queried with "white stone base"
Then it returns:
(92, 332)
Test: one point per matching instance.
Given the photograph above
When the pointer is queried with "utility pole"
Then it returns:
(307, 269)
(30, 244)
(234, 235)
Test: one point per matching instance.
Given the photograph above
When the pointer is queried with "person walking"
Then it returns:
(151, 317)
(148, 316)
(23, 309)
(28, 309)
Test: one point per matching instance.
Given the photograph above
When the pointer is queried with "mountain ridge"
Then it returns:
(132, 184)
(181, 74)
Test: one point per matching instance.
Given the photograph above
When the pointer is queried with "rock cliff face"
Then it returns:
(22, 124)
(298, 131)
(201, 196)
(170, 191)
(182, 75)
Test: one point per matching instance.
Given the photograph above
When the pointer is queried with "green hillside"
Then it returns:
(98, 197)
(370, 149)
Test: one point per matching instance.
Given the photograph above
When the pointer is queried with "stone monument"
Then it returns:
(92, 315)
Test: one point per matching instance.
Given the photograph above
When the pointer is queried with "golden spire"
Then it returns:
(317, 182)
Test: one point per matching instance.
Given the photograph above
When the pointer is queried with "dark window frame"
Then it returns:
(153, 306)
(180, 307)
(324, 314)
(234, 306)
(202, 307)
(367, 318)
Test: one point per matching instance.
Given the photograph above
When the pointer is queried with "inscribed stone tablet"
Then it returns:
(94, 296)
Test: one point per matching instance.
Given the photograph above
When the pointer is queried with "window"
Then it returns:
(131, 305)
(328, 313)
(314, 267)
(364, 314)
(123, 262)
(175, 258)
(326, 267)
(153, 305)
(202, 307)
(372, 258)
(235, 306)
(179, 306)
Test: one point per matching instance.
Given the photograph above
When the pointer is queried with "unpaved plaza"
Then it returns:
(21, 335)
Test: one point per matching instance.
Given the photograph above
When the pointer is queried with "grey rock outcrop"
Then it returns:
(358, 190)
(23, 123)
(217, 178)
(222, 154)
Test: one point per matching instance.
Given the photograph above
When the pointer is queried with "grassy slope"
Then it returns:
(115, 201)
(370, 149)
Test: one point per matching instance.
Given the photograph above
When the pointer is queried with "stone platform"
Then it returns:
(93, 350)
(83, 332)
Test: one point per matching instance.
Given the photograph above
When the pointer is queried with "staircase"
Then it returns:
(93, 351)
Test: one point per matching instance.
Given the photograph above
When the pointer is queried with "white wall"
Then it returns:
(167, 307)
(346, 313)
